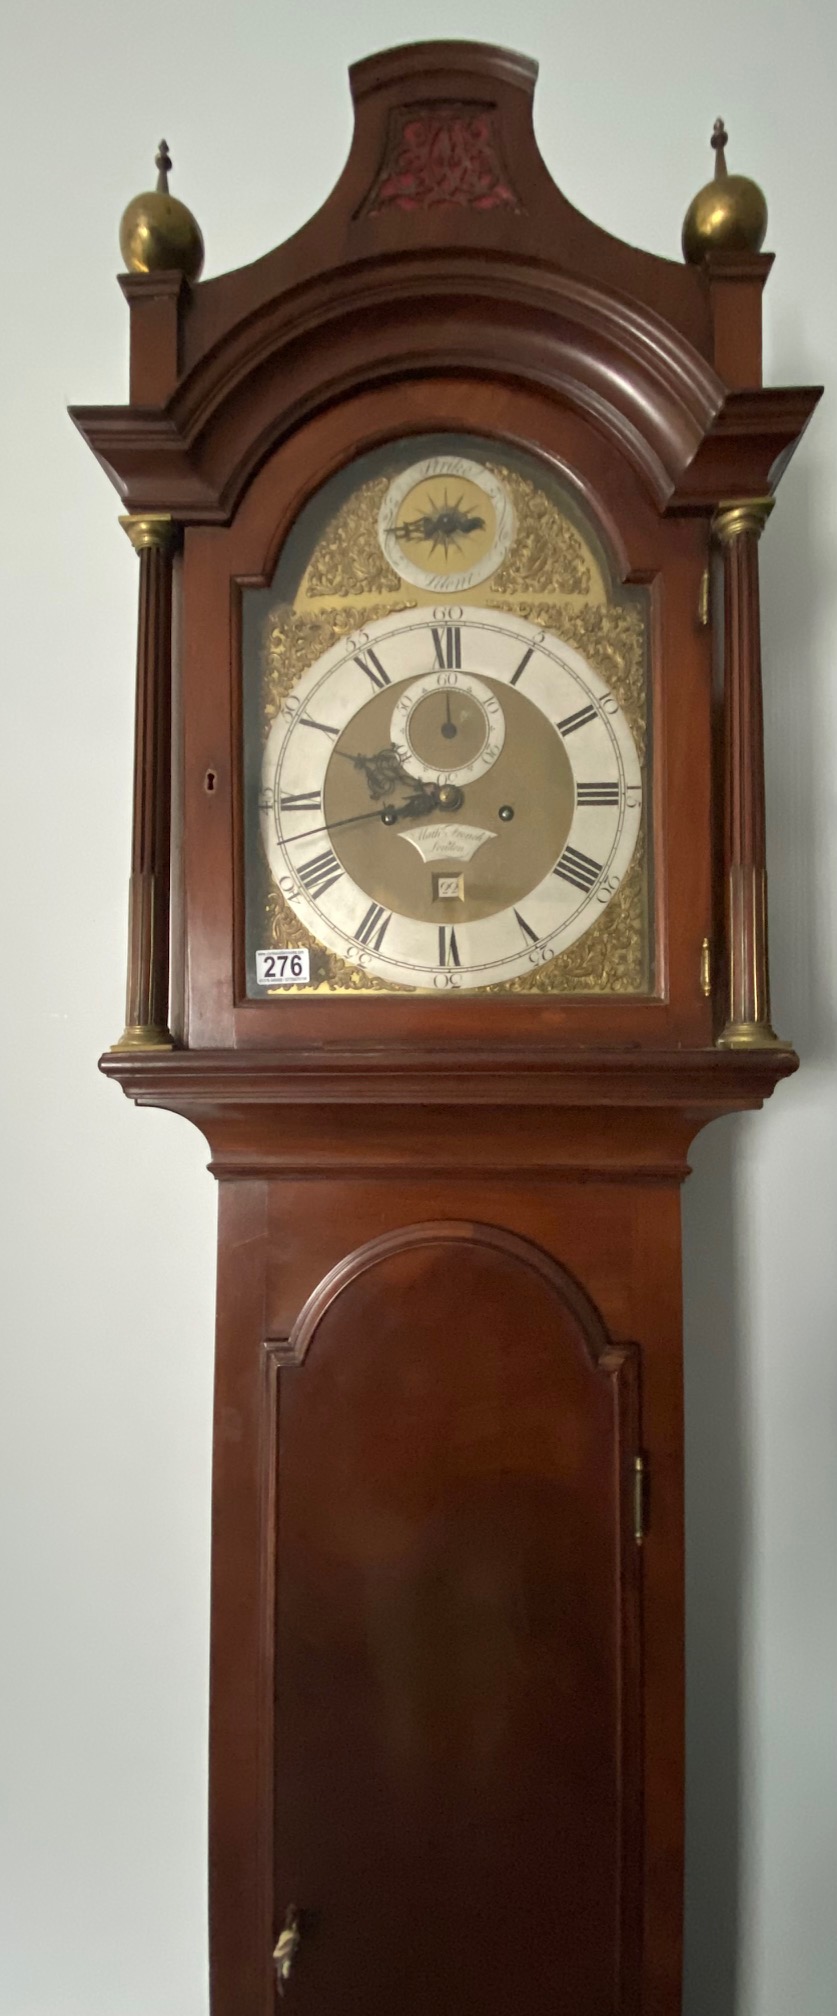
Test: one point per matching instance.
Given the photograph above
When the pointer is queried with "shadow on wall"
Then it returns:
(796, 582)
(799, 609)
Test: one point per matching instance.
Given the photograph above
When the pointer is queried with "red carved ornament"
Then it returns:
(443, 160)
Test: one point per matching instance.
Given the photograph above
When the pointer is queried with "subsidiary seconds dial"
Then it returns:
(448, 725)
(449, 798)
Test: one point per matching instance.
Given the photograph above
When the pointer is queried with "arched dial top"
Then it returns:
(449, 797)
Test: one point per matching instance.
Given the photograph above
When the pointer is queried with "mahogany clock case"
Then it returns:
(447, 1622)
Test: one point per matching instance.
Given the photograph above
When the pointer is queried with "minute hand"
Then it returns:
(414, 809)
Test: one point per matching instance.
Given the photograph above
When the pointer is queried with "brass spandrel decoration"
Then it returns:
(291, 644)
(329, 973)
(609, 959)
(549, 556)
(295, 639)
(612, 636)
(349, 559)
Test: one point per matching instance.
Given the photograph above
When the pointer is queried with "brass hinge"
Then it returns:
(706, 969)
(703, 601)
(640, 1494)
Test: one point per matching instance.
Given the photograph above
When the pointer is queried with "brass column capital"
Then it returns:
(741, 515)
(155, 529)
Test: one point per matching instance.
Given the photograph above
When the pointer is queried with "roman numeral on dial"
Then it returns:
(371, 665)
(597, 794)
(578, 868)
(522, 666)
(301, 801)
(373, 929)
(318, 874)
(448, 948)
(447, 644)
(577, 720)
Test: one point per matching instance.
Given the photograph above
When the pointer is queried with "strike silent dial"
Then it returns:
(446, 524)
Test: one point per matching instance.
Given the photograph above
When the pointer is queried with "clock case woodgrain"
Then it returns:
(561, 1125)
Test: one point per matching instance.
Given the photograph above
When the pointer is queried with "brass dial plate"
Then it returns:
(460, 867)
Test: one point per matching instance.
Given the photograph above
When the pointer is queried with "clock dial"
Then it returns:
(446, 524)
(446, 716)
(449, 798)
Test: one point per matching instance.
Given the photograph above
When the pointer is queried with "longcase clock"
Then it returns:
(448, 930)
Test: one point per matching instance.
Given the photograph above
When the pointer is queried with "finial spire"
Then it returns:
(720, 140)
(162, 163)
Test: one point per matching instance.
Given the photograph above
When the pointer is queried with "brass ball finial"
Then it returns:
(729, 214)
(158, 234)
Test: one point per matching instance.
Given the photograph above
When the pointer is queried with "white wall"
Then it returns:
(108, 1220)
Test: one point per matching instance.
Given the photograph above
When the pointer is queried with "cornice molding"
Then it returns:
(359, 1075)
(639, 379)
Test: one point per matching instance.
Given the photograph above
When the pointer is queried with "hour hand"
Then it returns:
(432, 797)
(383, 772)
(419, 803)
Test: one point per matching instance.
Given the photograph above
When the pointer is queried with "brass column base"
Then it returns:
(748, 996)
(750, 1036)
(139, 1036)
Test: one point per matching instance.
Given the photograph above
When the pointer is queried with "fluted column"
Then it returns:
(738, 528)
(154, 537)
